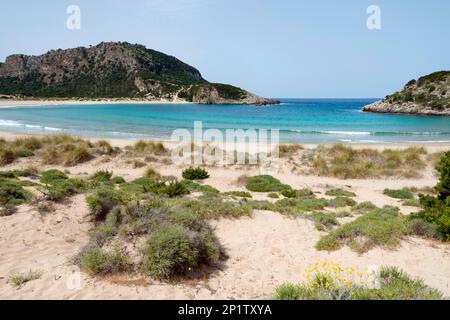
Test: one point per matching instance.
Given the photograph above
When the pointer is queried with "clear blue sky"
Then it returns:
(283, 48)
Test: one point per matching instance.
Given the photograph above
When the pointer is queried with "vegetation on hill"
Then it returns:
(113, 70)
(428, 95)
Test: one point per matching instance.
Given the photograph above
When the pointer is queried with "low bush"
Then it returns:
(323, 220)
(389, 283)
(347, 163)
(239, 194)
(303, 193)
(24, 153)
(340, 193)
(169, 252)
(412, 203)
(50, 176)
(381, 227)
(265, 183)
(398, 194)
(102, 176)
(340, 202)
(298, 206)
(273, 195)
(214, 207)
(421, 228)
(195, 174)
(364, 207)
(192, 186)
(175, 189)
(98, 261)
(19, 279)
(103, 200)
(178, 239)
(12, 193)
(118, 180)
(436, 209)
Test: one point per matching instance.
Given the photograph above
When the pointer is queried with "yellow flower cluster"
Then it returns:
(333, 275)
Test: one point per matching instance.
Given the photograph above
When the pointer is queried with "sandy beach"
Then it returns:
(264, 251)
(11, 103)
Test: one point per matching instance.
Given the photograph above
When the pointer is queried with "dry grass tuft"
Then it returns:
(347, 163)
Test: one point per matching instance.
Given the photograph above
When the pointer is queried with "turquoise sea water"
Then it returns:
(299, 120)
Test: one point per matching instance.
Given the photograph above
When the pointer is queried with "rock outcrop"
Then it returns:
(429, 95)
(115, 70)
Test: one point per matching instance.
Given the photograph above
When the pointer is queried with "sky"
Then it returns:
(274, 48)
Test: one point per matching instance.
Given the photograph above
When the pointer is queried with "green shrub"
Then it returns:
(340, 202)
(192, 186)
(437, 213)
(323, 220)
(102, 176)
(436, 210)
(421, 228)
(273, 195)
(443, 167)
(340, 193)
(412, 203)
(97, 261)
(12, 193)
(303, 193)
(118, 180)
(239, 194)
(19, 279)
(394, 284)
(8, 174)
(169, 252)
(214, 207)
(299, 206)
(195, 174)
(50, 176)
(58, 190)
(381, 227)
(364, 207)
(24, 153)
(265, 183)
(175, 189)
(103, 200)
(398, 194)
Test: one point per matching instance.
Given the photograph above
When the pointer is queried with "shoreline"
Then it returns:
(117, 142)
(6, 103)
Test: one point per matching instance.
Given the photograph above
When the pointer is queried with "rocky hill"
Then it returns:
(114, 70)
(429, 95)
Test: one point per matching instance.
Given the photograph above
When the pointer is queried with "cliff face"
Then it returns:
(114, 70)
(429, 95)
